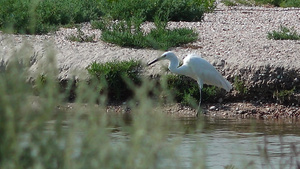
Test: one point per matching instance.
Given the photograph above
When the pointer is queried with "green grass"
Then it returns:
(238, 2)
(177, 10)
(239, 85)
(276, 3)
(229, 3)
(284, 33)
(280, 3)
(112, 78)
(186, 90)
(120, 21)
(284, 95)
(129, 34)
(127, 31)
(42, 16)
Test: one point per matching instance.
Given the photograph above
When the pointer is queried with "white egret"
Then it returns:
(197, 68)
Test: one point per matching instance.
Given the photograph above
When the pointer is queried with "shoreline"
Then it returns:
(241, 110)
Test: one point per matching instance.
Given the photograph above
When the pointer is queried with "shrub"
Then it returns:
(37, 17)
(42, 16)
(113, 76)
(230, 3)
(122, 33)
(284, 95)
(237, 2)
(280, 3)
(239, 85)
(277, 3)
(290, 3)
(187, 90)
(164, 39)
(177, 10)
(284, 34)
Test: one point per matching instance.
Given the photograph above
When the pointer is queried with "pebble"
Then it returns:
(220, 100)
(212, 108)
(241, 112)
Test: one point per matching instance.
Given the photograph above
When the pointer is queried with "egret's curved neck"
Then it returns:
(173, 66)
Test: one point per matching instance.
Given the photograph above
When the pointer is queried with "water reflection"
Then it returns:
(242, 143)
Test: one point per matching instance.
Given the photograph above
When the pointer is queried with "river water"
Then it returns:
(239, 143)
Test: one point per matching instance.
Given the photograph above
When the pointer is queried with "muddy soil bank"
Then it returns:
(263, 111)
(265, 83)
(256, 110)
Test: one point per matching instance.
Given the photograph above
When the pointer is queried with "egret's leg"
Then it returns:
(199, 108)
(200, 84)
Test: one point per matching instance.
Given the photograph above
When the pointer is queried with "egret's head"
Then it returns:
(167, 55)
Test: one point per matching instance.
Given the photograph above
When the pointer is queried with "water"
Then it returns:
(238, 142)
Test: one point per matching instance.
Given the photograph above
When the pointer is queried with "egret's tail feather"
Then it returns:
(226, 85)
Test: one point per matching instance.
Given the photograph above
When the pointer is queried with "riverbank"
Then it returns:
(225, 110)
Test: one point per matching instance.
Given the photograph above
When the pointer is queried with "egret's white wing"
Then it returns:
(202, 69)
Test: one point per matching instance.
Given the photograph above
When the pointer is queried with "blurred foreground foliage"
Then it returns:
(40, 130)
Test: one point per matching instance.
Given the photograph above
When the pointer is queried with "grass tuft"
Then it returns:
(284, 33)
(239, 85)
(183, 10)
(112, 77)
(238, 2)
(42, 16)
(280, 3)
(284, 95)
(187, 91)
(129, 34)
(276, 3)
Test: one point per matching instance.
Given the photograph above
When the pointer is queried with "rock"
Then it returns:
(220, 100)
(241, 112)
(212, 108)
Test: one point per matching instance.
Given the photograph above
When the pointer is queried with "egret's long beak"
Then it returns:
(153, 61)
(158, 59)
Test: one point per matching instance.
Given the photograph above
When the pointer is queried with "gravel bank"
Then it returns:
(233, 39)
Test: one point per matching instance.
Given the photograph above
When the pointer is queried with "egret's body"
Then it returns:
(197, 68)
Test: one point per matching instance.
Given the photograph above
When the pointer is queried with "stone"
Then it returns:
(212, 108)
